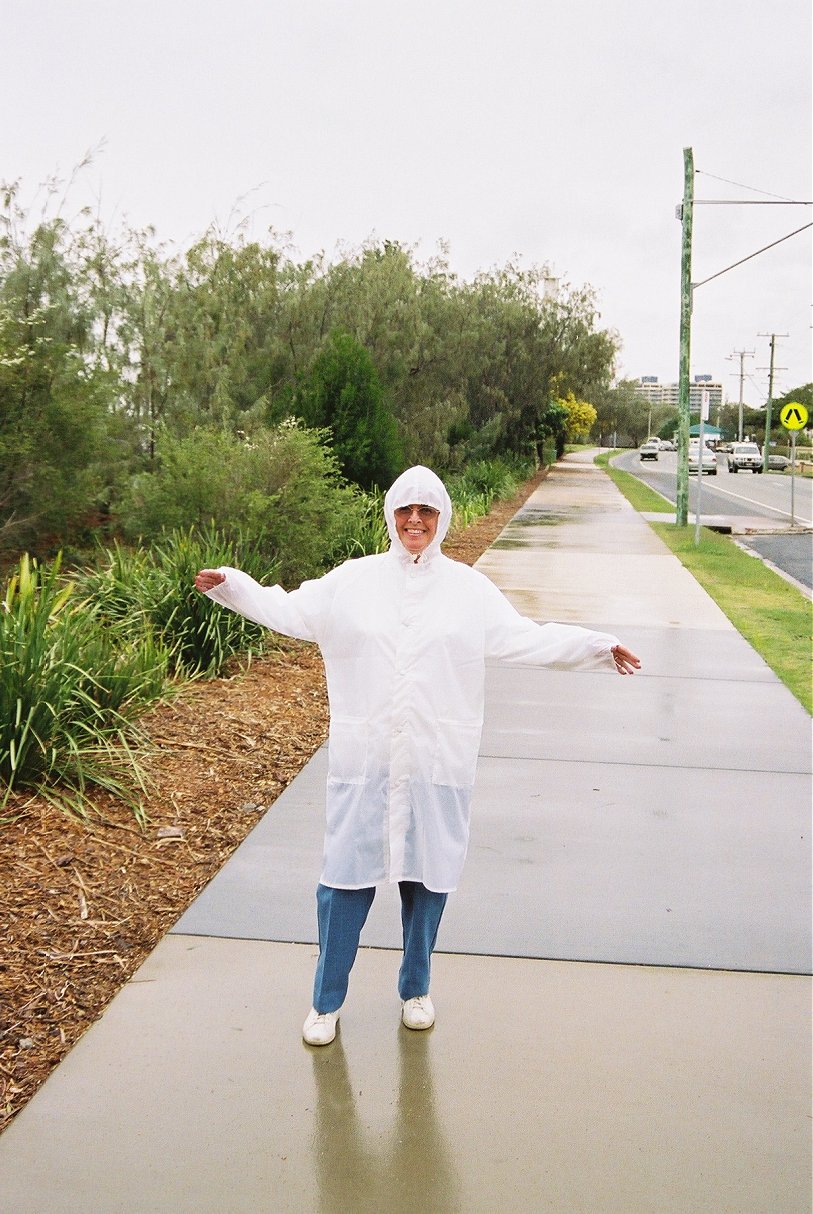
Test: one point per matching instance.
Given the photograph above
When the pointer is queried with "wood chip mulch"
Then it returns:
(83, 903)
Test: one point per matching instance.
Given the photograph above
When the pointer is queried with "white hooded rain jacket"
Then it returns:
(405, 642)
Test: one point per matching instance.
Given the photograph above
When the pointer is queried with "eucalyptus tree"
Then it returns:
(56, 400)
(622, 414)
(528, 350)
(220, 325)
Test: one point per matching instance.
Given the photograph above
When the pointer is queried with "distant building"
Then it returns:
(667, 394)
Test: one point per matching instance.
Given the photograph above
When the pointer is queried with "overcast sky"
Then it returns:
(547, 130)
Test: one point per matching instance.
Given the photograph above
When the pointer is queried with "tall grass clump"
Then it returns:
(151, 592)
(468, 505)
(202, 634)
(474, 491)
(366, 528)
(69, 693)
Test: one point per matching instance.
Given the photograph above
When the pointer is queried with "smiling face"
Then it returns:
(416, 526)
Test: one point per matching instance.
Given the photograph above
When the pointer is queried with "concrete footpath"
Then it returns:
(622, 990)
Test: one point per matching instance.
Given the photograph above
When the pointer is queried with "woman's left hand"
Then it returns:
(625, 660)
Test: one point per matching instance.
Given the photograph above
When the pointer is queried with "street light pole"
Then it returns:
(685, 214)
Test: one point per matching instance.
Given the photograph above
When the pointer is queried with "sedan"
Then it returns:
(709, 459)
(649, 449)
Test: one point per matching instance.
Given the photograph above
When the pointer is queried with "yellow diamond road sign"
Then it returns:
(793, 416)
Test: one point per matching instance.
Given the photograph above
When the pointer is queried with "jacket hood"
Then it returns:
(423, 487)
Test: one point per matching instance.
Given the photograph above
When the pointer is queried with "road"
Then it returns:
(743, 494)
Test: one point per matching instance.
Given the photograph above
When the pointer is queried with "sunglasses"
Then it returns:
(426, 512)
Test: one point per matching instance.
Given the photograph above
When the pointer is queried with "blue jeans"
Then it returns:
(342, 914)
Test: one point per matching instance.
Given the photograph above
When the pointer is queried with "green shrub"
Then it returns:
(282, 487)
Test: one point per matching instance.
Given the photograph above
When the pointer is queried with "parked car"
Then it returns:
(649, 449)
(778, 462)
(744, 455)
(708, 459)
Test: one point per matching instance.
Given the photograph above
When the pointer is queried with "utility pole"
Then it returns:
(766, 450)
(685, 215)
(742, 355)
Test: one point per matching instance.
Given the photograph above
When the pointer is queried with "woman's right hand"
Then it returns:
(207, 579)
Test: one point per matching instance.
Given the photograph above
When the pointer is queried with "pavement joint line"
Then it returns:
(645, 674)
(755, 771)
(524, 957)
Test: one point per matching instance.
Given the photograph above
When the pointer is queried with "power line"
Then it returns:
(742, 260)
(739, 184)
(755, 384)
(751, 202)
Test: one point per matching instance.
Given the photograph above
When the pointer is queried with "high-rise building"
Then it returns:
(668, 394)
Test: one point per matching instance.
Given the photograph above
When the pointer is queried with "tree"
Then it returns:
(622, 415)
(59, 435)
(799, 396)
(343, 394)
(531, 349)
(581, 417)
(553, 426)
(53, 435)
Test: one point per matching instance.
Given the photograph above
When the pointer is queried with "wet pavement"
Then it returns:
(623, 1006)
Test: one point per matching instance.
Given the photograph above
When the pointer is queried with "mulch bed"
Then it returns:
(83, 903)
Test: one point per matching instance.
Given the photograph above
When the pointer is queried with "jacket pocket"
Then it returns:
(456, 748)
(347, 750)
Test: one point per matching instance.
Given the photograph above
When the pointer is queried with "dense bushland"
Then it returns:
(121, 364)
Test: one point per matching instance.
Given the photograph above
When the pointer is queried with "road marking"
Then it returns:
(758, 506)
(713, 488)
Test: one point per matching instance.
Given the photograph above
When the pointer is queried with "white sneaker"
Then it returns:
(320, 1027)
(418, 1013)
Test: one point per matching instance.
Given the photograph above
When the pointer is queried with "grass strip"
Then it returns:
(639, 495)
(773, 616)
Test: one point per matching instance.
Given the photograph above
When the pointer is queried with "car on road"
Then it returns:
(649, 449)
(743, 456)
(708, 460)
(778, 463)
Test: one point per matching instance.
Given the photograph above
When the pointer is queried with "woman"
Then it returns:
(405, 636)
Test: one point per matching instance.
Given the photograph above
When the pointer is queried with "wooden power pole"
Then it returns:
(685, 215)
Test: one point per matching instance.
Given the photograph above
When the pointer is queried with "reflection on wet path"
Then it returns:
(383, 1150)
